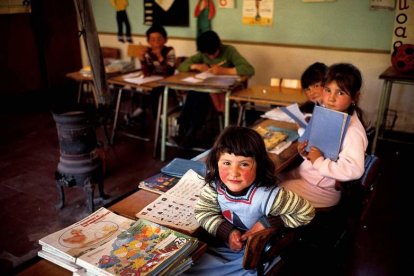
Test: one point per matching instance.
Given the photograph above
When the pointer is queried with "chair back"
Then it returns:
(290, 83)
(111, 52)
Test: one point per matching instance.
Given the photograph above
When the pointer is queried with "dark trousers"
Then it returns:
(121, 19)
(194, 113)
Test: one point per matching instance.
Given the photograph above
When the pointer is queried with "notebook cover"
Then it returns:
(179, 166)
(326, 131)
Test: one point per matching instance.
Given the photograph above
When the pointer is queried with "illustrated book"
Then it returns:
(179, 166)
(146, 248)
(326, 131)
(175, 208)
(158, 183)
(85, 235)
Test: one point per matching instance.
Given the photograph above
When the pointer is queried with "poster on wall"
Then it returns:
(382, 4)
(166, 12)
(404, 23)
(14, 6)
(226, 4)
(258, 12)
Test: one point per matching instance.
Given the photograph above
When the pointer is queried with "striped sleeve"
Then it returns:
(292, 209)
(207, 210)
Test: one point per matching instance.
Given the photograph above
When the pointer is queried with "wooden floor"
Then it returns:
(29, 155)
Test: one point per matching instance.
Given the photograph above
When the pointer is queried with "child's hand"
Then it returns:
(255, 228)
(199, 67)
(313, 154)
(301, 148)
(235, 242)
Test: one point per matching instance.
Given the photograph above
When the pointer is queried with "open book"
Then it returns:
(326, 131)
(146, 248)
(175, 208)
(294, 112)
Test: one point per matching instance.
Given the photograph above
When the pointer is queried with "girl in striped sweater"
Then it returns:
(241, 198)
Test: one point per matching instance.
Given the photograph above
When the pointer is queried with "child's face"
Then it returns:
(236, 172)
(156, 40)
(335, 98)
(314, 92)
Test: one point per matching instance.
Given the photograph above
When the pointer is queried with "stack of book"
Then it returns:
(105, 243)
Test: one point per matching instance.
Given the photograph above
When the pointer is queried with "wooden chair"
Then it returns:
(327, 233)
(111, 52)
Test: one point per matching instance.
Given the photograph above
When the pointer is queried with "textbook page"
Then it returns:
(175, 208)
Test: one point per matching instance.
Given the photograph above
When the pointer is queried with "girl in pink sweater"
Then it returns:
(315, 178)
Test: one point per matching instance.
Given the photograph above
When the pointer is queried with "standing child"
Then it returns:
(242, 198)
(315, 178)
(312, 84)
(157, 59)
(122, 19)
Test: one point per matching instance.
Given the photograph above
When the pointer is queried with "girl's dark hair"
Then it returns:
(348, 78)
(208, 42)
(156, 29)
(246, 142)
(313, 74)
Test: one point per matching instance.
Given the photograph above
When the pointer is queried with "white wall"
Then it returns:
(290, 62)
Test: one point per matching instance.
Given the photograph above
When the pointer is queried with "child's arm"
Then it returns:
(293, 210)
(208, 214)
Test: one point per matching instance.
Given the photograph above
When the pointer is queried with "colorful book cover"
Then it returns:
(85, 235)
(146, 248)
(158, 183)
(326, 131)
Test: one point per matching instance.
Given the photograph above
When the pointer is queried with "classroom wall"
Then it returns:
(285, 57)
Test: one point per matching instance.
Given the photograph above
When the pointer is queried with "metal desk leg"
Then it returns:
(227, 109)
(164, 123)
(118, 103)
(157, 125)
(80, 91)
(381, 116)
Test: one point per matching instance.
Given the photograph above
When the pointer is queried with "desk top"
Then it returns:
(119, 80)
(264, 94)
(177, 82)
(286, 157)
(391, 74)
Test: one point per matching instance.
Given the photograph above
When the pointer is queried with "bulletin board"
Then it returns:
(343, 24)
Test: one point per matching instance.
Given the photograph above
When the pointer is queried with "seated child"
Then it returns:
(312, 84)
(315, 178)
(157, 59)
(241, 198)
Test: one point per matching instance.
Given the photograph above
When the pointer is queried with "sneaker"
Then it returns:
(120, 39)
(129, 40)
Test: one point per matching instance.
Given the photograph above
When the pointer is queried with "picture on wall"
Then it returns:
(15, 6)
(258, 12)
(166, 12)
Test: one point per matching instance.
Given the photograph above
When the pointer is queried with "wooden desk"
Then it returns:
(390, 76)
(265, 95)
(286, 157)
(86, 80)
(122, 84)
(176, 82)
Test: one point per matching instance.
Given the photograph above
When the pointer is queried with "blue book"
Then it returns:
(326, 131)
(294, 112)
(179, 166)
